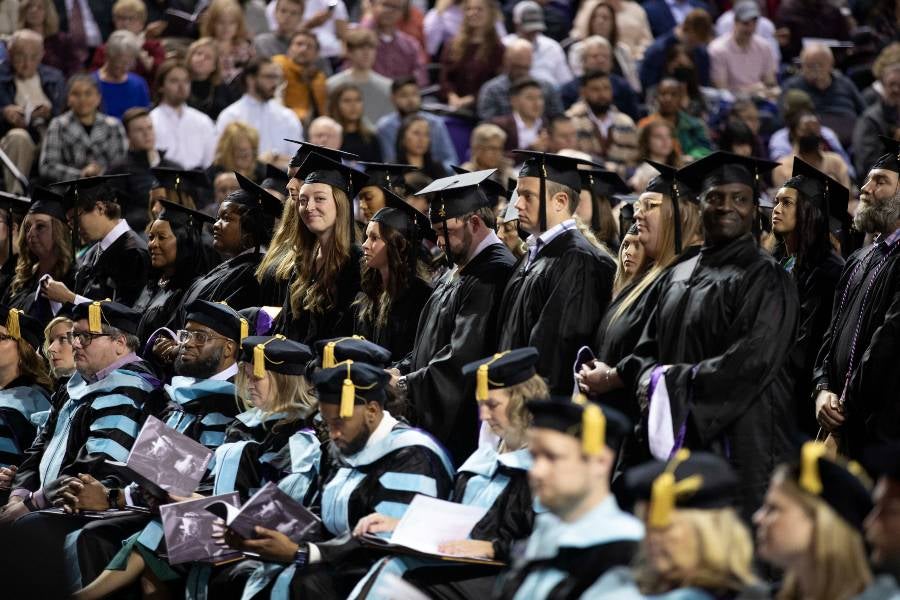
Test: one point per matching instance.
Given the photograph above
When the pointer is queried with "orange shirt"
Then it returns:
(299, 91)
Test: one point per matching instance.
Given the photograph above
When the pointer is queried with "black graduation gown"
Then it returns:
(399, 333)
(119, 273)
(159, 306)
(556, 303)
(7, 272)
(273, 291)
(456, 327)
(337, 321)
(25, 301)
(815, 288)
(232, 281)
(873, 415)
(725, 331)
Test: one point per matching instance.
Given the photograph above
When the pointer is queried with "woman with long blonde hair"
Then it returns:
(810, 525)
(327, 273)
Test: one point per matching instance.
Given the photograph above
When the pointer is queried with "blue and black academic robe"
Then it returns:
(22, 402)
(496, 482)
(563, 559)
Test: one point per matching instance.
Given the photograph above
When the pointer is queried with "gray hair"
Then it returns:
(576, 54)
(122, 42)
(24, 35)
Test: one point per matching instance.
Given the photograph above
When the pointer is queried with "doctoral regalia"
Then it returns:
(118, 273)
(456, 327)
(398, 334)
(723, 328)
(555, 303)
(21, 401)
(858, 358)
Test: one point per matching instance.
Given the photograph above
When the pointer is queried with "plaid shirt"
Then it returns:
(68, 147)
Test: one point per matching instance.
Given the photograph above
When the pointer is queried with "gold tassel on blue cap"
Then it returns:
(245, 328)
(593, 430)
(95, 318)
(666, 490)
(348, 394)
(12, 324)
(259, 361)
(810, 479)
(482, 377)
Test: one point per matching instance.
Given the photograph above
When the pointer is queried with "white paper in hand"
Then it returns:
(429, 522)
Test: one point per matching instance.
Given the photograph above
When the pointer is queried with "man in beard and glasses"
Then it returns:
(856, 377)
(603, 131)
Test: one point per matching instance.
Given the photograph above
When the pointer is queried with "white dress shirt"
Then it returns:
(187, 135)
(549, 61)
(273, 121)
(535, 243)
(527, 135)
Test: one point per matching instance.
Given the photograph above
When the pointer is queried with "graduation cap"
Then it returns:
(355, 348)
(275, 353)
(85, 190)
(22, 327)
(178, 214)
(594, 424)
(826, 193)
(219, 317)
(405, 218)
(601, 182)
(386, 175)
(668, 184)
(113, 314)
(696, 480)
(306, 149)
(720, 168)
(276, 179)
(456, 195)
(883, 460)
(13, 203)
(551, 167)
(502, 370)
(349, 383)
(842, 485)
(891, 160)
(46, 202)
(257, 198)
(180, 180)
(321, 169)
(492, 188)
(259, 320)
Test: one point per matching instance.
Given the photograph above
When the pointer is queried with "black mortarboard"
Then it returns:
(355, 348)
(493, 189)
(306, 149)
(883, 460)
(842, 485)
(260, 321)
(87, 190)
(720, 168)
(626, 211)
(594, 424)
(502, 370)
(455, 196)
(219, 317)
(697, 480)
(891, 160)
(601, 182)
(14, 204)
(550, 167)
(349, 383)
(258, 197)
(180, 180)
(107, 312)
(21, 326)
(182, 215)
(275, 353)
(386, 175)
(276, 179)
(45, 202)
(321, 169)
(826, 193)
(667, 183)
(405, 218)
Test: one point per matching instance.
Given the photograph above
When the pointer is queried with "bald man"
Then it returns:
(325, 131)
(493, 99)
(833, 93)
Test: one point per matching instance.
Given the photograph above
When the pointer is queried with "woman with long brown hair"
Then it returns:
(326, 276)
(395, 285)
(209, 94)
(45, 248)
(473, 56)
(224, 22)
(345, 105)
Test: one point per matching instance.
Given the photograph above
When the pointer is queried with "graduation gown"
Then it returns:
(399, 333)
(159, 306)
(723, 327)
(273, 291)
(337, 321)
(815, 288)
(556, 303)
(563, 559)
(21, 403)
(455, 328)
(28, 301)
(497, 482)
(232, 281)
(118, 273)
(867, 301)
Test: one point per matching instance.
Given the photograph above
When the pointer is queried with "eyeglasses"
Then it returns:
(196, 337)
(84, 338)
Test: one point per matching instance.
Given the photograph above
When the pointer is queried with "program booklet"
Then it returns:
(164, 462)
(271, 508)
(188, 529)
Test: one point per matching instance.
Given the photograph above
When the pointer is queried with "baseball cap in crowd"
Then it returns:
(528, 16)
(746, 10)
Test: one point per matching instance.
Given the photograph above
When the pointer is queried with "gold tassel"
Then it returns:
(245, 328)
(95, 322)
(580, 399)
(810, 480)
(481, 383)
(664, 492)
(328, 356)
(348, 395)
(593, 430)
(12, 324)
(259, 361)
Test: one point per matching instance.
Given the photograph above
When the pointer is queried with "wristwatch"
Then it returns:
(112, 497)
(301, 557)
(402, 385)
